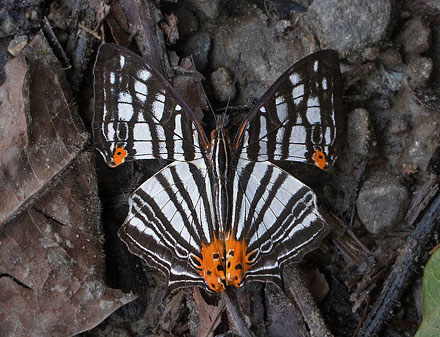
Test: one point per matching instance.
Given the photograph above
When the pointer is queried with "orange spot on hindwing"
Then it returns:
(319, 159)
(118, 156)
(224, 262)
(212, 265)
(237, 262)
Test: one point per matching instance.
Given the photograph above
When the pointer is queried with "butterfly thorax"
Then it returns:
(220, 154)
(224, 260)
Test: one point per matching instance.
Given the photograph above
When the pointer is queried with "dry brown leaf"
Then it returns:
(51, 262)
(209, 315)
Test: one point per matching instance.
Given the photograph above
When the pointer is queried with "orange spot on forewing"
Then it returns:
(118, 156)
(236, 261)
(212, 265)
(319, 159)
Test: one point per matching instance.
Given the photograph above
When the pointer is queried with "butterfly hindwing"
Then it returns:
(276, 215)
(138, 115)
(170, 216)
(299, 117)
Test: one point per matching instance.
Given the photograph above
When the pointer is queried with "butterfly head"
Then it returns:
(320, 159)
(119, 156)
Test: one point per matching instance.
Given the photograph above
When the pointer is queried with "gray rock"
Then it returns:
(198, 46)
(222, 83)
(7, 27)
(209, 8)
(434, 4)
(263, 57)
(187, 22)
(419, 70)
(382, 202)
(398, 125)
(370, 54)
(415, 37)
(391, 58)
(359, 131)
(17, 44)
(347, 25)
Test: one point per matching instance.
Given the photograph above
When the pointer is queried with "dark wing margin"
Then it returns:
(138, 114)
(276, 215)
(299, 115)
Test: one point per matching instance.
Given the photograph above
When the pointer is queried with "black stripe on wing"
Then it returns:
(276, 215)
(298, 115)
(138, 111)
(170, 216)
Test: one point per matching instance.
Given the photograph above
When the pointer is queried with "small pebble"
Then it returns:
(370, 54)
(415, 37)
(359, 131)
(17, 45)
(382, 202)
(419, 70)
(209, 8)
(198, 46)
(398, 125)
(222, 83)
(391, 58)
(187, 23)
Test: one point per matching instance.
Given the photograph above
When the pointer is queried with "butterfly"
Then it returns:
(222, 212)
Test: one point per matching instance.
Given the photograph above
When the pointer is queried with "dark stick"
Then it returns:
(233, 311)
(403, 269)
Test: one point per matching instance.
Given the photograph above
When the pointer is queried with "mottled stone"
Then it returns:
(358, 131)
(283, 318)
(222, 84)
(208, 8)
(187, 23)
(16, 45)
(263, 57)
(419, 70)
(198, 45)
(347, 25)
(398, 125)
(382, 202)
(415, 36)
(370, 54)
(7, 27)
(391, 58)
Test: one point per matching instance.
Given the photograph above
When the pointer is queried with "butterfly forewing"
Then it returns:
(138, 115)
(299, 117)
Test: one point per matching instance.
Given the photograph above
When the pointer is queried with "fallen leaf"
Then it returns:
(209, 315)
(51, 261)
(430, 326)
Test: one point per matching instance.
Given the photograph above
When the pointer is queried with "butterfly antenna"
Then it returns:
(203, 89)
